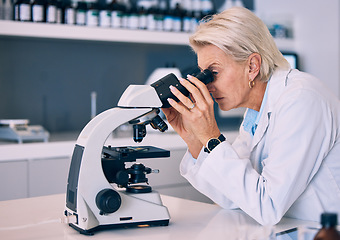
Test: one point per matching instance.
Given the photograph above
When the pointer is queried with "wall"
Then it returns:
(316, 34)
(49, 81)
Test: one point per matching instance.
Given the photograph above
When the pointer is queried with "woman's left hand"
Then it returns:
(198, 112)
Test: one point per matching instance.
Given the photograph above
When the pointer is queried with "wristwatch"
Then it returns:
(213, 142)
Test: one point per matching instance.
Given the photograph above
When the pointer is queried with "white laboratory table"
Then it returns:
(37, 218)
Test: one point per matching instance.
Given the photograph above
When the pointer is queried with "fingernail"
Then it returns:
(189, 76)
(171, 87)
(170, 100)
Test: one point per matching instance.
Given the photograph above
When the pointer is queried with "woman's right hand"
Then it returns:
(175, 119)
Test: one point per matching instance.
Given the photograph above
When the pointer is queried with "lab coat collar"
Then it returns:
(275, 87)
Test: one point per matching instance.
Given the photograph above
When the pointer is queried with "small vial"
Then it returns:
(51, 11)
(92, 15)
(133, 18)
(117, 10)
(142, 18)
(104, 16)
(81, 10)
(69, 14)
(151, 19)
(7, 10)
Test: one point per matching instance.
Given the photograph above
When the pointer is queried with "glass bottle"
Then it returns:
(69, 13)
(92, 14)
(38, 11)
(104, 15)
(151, 19)
(1, 10)
(328, 230)
(7, 10)
(116, 14)
(51, 11)
(81, 10)
(177, 18)
(142, 17)
(168, 19)
(132, 22)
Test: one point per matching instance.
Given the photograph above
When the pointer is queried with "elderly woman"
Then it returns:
(286, 159)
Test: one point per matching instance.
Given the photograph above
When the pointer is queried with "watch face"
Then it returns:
(213, 143)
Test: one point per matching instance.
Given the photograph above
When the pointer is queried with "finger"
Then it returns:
(183, 99)
(178, 106)
(195, 92)
(201, 86)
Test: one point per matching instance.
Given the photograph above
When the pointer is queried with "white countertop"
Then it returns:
(63, 145)
(37, 218)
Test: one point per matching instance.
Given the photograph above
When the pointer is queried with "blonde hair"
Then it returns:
(239, 33)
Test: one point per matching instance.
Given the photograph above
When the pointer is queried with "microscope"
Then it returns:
(101, 191)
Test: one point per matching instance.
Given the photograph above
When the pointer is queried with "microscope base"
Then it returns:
(121, 225)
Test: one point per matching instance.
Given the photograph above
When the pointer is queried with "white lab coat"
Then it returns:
(290, 167)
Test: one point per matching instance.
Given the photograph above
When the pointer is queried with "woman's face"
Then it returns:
(230, 87)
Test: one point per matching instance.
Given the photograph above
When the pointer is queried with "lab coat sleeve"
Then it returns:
(297, 140)
(188, 168)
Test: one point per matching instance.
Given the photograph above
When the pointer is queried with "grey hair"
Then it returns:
(239, 33)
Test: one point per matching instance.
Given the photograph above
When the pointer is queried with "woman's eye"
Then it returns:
(215, 73)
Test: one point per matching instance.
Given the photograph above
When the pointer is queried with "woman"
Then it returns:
(286, 159)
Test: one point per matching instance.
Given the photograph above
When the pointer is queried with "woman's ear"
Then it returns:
(254, 63)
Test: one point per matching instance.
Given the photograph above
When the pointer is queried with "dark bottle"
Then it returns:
(104, 15)
(69, 13)
(92, 14)
(39, 11)
(23, 10)
(117, 14)
(328, 230)
(81, 12)
(177, 18)
(51, 11)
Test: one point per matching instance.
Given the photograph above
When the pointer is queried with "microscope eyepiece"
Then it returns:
(205, 76)
(162, 86)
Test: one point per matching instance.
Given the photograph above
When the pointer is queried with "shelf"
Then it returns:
(72, 32)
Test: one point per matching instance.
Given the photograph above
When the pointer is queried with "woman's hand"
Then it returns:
(194, 119)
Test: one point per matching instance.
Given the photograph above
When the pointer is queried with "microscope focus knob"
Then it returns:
(108, 201)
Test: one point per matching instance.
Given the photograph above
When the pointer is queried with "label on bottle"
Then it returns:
(116, 19)
(69, 16)
(51, 14)
(59, 15)
(133, 21)
(194, 24)
(104, 18)
(92, 17)
(186, 24)
(168, 23)
(143, 21)
(159, 22)
(81, 17)
(151, 22)
(177, 24)
(37, 13)
(25, 12)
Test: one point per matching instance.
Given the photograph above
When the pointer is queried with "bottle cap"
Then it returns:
(329, 219)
